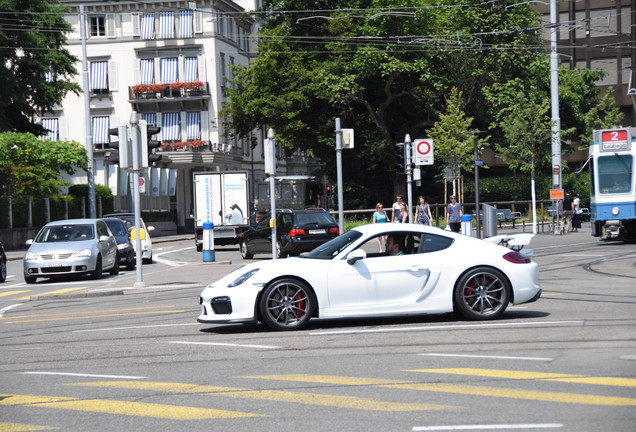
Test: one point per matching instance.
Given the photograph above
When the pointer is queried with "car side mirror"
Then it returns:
(355, 256)
(29, 242)
(150, 228)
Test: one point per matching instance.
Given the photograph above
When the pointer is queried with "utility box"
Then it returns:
(489, 220)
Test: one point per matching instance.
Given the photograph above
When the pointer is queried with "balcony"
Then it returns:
(148, 97)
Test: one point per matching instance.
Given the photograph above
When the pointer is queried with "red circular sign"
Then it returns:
(423, 147)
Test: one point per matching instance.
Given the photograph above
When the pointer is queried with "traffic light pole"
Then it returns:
(339, 176)
(134, 131)
(409, 176)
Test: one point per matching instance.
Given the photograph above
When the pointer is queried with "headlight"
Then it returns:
(83, 253)
(616, 211)
(242, 278)
(31, 256)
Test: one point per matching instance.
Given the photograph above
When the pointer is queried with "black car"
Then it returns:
(3, 264)
(125, 250)
(297, 231)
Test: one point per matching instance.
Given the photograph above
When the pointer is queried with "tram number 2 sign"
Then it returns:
(614, 140)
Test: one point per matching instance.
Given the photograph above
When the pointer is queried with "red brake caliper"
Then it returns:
(301, 305)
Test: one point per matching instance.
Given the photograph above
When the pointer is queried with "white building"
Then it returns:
(142, 57)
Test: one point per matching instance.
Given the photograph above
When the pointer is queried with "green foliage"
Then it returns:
(29, 166)
(32, 46)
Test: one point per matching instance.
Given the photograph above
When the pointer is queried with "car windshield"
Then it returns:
(117, 228)
(69, 232)
(335, 246)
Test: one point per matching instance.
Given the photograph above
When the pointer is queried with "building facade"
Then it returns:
(168, 62)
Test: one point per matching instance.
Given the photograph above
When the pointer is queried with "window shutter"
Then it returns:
(63, 128)
(110, 25)
(136, 25)
(198, 22)
(205, 123)
(112, 76)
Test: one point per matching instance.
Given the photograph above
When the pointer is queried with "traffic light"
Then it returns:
(119, 149)
(148, 144)
(328, 187)
(399, 157)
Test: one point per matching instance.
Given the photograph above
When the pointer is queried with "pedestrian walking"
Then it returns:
(380, 216)
(423, 212)
(454, 215)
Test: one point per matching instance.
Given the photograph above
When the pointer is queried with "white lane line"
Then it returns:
(225, 344)
(171, 263)
(489, 427)
(3, 310)
(82, 375)
(448, 327)
(133, 327)
(545, 359)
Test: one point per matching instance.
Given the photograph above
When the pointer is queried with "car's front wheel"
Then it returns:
(130, 262)
(3, 270)
(286, 304)
(482, 293)
(115, 270)
(244, 252)
(30, 279)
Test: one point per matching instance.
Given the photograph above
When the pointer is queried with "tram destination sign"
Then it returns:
(618, 139)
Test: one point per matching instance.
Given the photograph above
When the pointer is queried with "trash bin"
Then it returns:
(208, 242)
(467, 225)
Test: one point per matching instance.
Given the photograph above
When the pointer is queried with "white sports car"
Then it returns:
(362, 273)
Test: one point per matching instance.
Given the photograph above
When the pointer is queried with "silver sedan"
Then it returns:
(71, 247)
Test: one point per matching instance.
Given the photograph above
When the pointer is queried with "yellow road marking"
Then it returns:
(271, 395)
(85, 312)
(470, 390)
(14, 321)
(8, 293)
(141, 409)
(523, 375)
(326, 379)
(520, 394)
(60, 291)
(17, 427)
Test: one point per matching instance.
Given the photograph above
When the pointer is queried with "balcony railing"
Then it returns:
(167, 91)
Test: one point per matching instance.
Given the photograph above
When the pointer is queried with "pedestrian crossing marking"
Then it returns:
(17, 320)
(60, 291)
(326, 379)
(18, 427)
(466, 389)
(522, 375)
(520, 394)
(141, 409)
(271, 395)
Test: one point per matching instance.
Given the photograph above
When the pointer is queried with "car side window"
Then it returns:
(434, 243)
(102, 229)
(263, 223)
(376, 246)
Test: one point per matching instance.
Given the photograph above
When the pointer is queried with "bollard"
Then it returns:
(467, 225)
(208, 242)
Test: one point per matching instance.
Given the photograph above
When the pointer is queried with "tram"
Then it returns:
(612, 184)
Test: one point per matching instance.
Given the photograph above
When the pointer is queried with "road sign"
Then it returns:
(142, 185)
(423, 151)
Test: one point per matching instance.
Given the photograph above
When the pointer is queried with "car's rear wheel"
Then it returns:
(279, 250)
(286, 304)
(97, 273)
(244, 252)
(482, 293)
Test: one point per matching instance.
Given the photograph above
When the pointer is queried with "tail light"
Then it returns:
(334, 230)
(296, 231)
(516, 258)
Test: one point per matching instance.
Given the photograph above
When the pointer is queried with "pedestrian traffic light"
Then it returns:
(148, 144)
(118, 154)
(328, 188)
(399, 157)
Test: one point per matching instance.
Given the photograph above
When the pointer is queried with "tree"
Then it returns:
(385, 71)
(29, 166)
(453, 136)
(36, 70)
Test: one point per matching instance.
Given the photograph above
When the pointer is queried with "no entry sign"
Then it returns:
(423, 151)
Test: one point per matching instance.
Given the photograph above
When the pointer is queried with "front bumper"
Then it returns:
(50, 268)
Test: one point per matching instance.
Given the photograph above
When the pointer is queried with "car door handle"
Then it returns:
(416, 268)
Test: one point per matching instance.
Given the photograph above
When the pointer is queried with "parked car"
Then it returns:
(297, 231)
(125, 248)
(71, 247)
(421, 270)
(144, 234)
(3, 264)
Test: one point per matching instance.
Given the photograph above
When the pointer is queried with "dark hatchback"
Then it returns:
(297, 231)
(125, 250)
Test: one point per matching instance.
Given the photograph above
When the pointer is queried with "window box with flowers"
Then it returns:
(148, 90)
(191, 88)
(195, 145)
(179, 146)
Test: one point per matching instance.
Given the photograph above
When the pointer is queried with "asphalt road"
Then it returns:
(141, 361)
